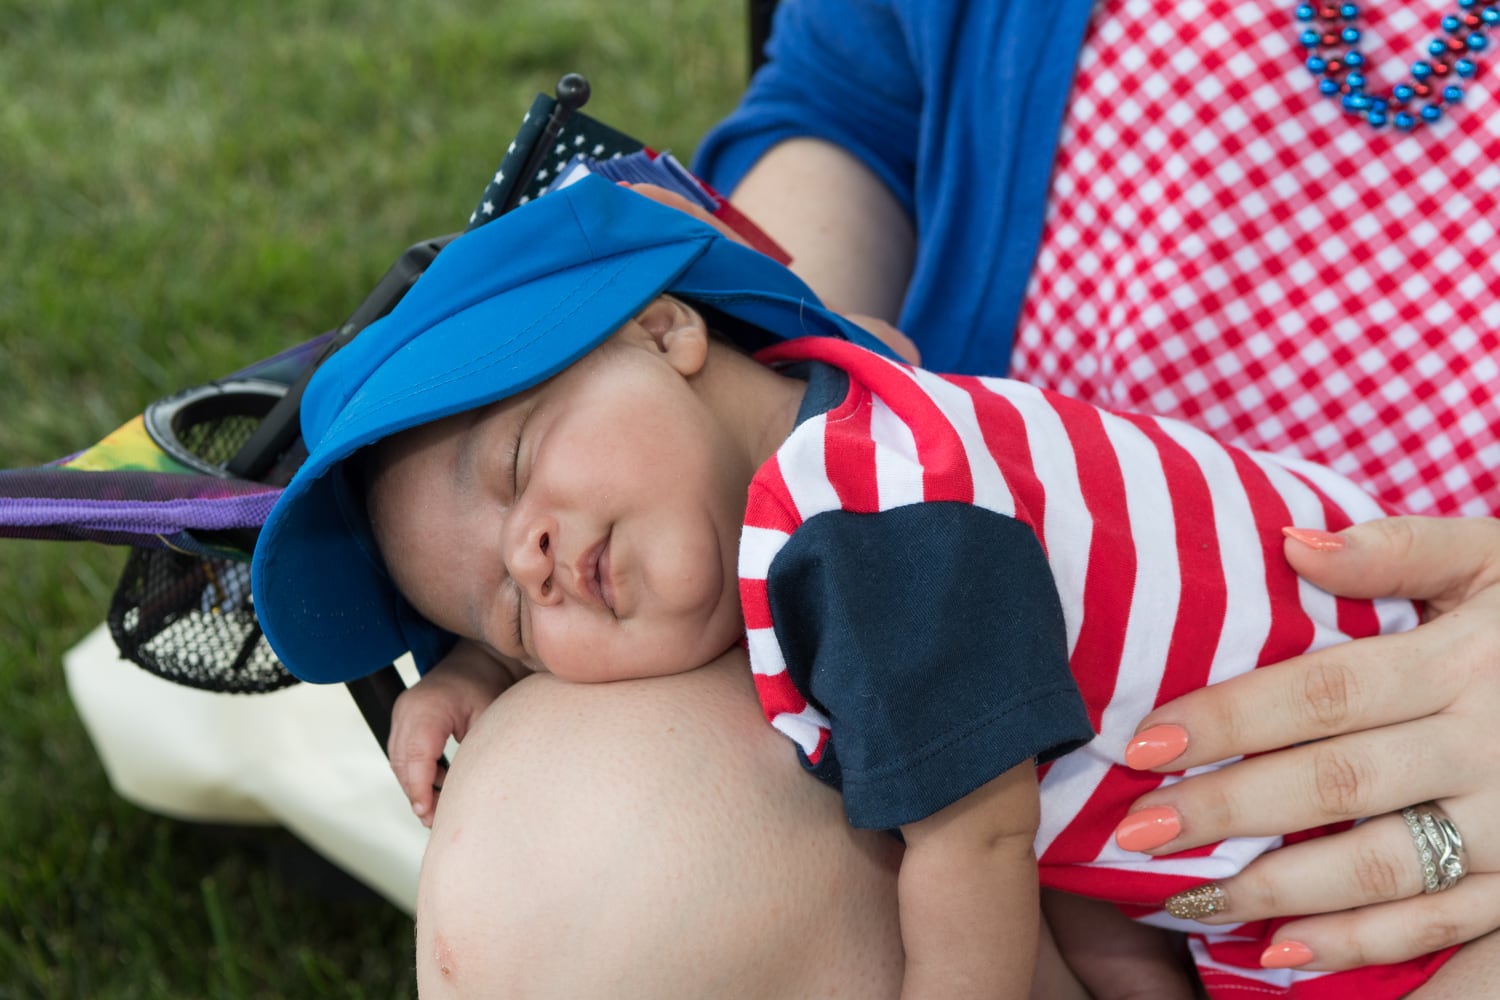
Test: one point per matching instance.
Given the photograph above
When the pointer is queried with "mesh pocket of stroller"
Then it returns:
(190, 620)
(186, 617)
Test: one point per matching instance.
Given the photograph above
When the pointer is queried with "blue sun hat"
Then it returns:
(501, 308)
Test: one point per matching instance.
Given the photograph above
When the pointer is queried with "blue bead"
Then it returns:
(1305, 12)
(1421, 70)
(1376, 119)
(1450, 23)
(1431, 113)
(1477, 42)
(1349, 11)
(1350, 35)
(1354, 57)
(1403, 92)
(1316, 64)
(1379, 104)
(1404, 121)
(1464, 67)
(1356, 102)
(1466, 4)
(1436, 48)
(1310, 39)
(1453, 94)
(1490, 16)
(1356, 81)
(1327, 86)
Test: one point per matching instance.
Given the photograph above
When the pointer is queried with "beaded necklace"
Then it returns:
(1331, 35)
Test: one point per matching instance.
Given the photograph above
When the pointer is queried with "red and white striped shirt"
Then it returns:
(1164, 549)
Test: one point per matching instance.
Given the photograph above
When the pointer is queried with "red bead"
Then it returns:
(1441, 69)
(1330, 39)
(1334, 67)
(1328, 13)
(1456, 45)
(1472, 20)
(1421, 89)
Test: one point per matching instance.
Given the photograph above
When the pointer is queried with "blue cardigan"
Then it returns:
(956, 106)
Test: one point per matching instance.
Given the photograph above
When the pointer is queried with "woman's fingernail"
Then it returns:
(1322, 541)
(1149, 828)
(1197, 902)
(1285, 955)
(1156, 746)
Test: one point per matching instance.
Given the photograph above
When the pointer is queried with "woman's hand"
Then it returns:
(1399, 719)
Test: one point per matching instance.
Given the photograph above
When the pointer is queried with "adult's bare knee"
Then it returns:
(654, 838)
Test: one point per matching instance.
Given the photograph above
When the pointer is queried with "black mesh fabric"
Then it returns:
(188, 617)
(217, 441)
(190, 620)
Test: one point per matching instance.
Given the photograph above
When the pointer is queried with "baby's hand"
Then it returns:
(445, 702)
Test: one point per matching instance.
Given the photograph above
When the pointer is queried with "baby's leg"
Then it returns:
(1469, 975)
(650, 838)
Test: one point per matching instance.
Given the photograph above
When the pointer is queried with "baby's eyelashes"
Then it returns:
(517, 640)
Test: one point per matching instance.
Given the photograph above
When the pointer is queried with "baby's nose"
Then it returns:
(531, 561)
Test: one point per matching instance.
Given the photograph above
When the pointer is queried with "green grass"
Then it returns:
(186, 188)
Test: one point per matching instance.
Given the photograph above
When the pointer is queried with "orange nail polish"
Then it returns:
(1148, 828)
(1156, 746)
(1285, 955)
(1322, 541)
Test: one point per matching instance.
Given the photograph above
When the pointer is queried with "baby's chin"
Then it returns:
(653, 660)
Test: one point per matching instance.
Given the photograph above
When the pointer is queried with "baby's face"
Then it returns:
(588, 527)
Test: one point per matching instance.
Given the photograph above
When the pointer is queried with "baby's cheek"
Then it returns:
(580, 649)
(725, 628)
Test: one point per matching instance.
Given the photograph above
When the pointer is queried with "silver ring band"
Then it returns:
(1440, 849)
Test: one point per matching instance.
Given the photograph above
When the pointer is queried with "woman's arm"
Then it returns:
(1371, 726)
(821, 203)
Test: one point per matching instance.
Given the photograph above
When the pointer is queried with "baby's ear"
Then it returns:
(678, 331)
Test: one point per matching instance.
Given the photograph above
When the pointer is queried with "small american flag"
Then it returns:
(580, 135)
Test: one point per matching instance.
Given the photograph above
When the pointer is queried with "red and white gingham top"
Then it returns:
(1226, 245)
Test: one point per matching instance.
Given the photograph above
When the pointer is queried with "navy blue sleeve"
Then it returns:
(839, 70)
(957, 109)
(932, 637)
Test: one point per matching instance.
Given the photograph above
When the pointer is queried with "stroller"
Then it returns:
(187, 482)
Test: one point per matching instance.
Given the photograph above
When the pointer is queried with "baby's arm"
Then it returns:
(445, 702)
(969, 895)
